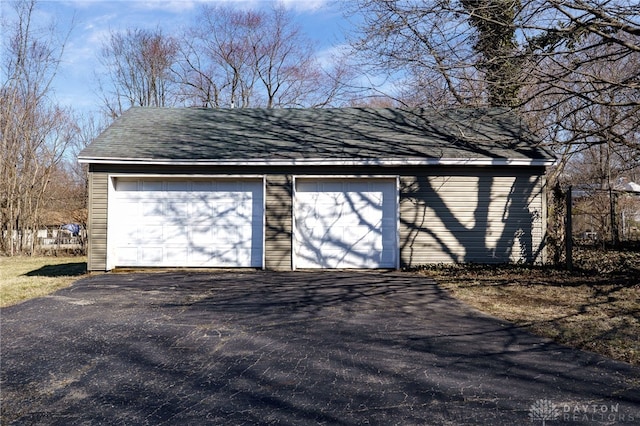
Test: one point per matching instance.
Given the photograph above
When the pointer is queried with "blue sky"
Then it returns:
(91, 21)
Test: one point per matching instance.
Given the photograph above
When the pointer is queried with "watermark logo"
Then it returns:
(543, 410)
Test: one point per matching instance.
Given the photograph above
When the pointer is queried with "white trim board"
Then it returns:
(520, 162)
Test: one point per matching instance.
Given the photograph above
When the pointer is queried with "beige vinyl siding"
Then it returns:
(446, 214)
(97, 223)
(489, 217)
(278, 222)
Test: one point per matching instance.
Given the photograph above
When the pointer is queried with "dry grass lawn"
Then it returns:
(25, 277)
(594, 308)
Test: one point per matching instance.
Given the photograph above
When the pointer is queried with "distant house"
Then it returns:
(628, 205)
(314, 188)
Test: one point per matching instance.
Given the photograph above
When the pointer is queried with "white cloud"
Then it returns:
(173, 6)
(178, 6)
(304, 5)
(327, 56)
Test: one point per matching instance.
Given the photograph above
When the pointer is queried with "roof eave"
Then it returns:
(530, 162)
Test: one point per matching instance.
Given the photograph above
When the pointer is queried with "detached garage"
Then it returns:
(314, 188)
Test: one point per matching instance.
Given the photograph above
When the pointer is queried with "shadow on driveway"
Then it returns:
(291, 348)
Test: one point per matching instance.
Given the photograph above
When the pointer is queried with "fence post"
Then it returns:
(615, 237)
(568, 231)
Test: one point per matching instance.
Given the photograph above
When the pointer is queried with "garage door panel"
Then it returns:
(365, 198)
(179, 186)
(151, 255)
(151, 233)
(201, 256)
(367, 218)
(151, 186)
(362, 236)
(187, 223)
(201, 211)
(177, 256)
(151, 210)
(126, 232)
(338, 258)
(307, 255)
(332, 186)
(175, 209)
(126, 185)
(133, 208)
(202, 235)
(128, 255)
(178, 234)
(224, 207)
(353, 259)
(228, 235)
(330, 199)
(345, 223)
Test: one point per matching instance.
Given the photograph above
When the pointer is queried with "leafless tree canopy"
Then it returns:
(34, 130)
(138, 63)
(247, 58)
(571, 67)
(227, 58)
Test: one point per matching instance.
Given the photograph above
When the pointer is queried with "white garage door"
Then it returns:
(345, 223)
(197, 222)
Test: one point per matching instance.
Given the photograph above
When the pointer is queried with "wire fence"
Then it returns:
(605, 217)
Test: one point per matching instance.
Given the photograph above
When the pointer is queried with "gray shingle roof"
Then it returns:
(365, 134)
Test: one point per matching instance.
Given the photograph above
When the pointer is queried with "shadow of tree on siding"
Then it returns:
(472, 243)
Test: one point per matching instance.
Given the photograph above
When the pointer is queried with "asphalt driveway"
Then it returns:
(291, 348)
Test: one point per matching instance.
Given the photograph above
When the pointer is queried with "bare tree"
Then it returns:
(34, 130)
(218, 67)
(248, 58)
(138, 64)
(286, 66)
(584, 96)
(553, 60)
(425, 47)
(495, 46)
(199, 79)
